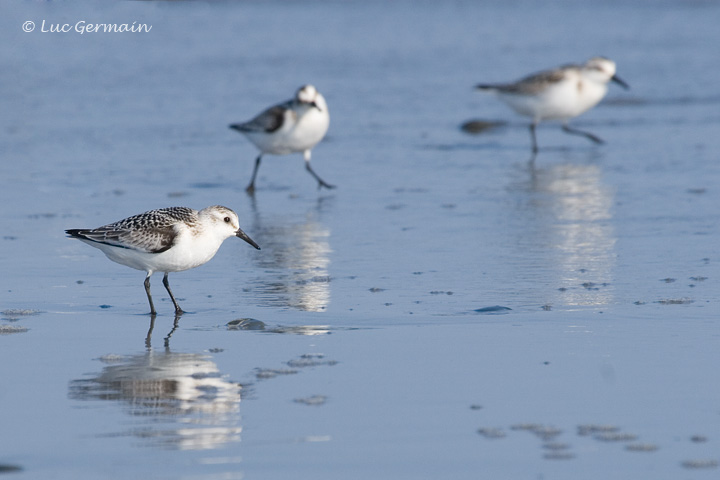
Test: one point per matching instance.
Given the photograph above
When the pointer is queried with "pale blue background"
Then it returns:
(607, 256)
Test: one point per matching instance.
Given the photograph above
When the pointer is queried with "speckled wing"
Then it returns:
(529, 85)
(151, 232)
(268, 121)
(535, 83)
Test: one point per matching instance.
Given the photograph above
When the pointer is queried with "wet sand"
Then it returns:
(449, 311)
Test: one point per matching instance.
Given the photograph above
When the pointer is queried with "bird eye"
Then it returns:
(226, 219)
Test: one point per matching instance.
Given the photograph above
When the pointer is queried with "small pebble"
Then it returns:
(7, 468)
(245, 324)
(493, 309)
(590, 429)
(559, 456)
(479, 126)
(314, 400)
(310, 360)
(615, 437)
(492, 433)
(641, 447)
(700, 463)
(9, 329)
(15, 313)
(547, 433)
(675, 301)
(555, 446)
(526, 426)
(264, 373)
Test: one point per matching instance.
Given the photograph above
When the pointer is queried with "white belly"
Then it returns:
(562, 101)
(296, 135)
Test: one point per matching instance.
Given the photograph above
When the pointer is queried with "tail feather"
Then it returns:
(75, 233)
(240, 127)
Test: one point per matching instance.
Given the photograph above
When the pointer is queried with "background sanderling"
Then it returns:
(294, 126)
(559, 94)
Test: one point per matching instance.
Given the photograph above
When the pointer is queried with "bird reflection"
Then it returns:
(148, 337)
(178, 400)
(295, 266)
(571, 210)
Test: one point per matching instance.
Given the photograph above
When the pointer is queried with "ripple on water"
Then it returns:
(18, 313)
(699, 464)
(641, 447)
(10, 329)
(491, 432)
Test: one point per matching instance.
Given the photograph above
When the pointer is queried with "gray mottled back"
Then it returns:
(151, 232)
(268, 121)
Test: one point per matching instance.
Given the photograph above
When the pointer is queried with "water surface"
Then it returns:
(449, 311)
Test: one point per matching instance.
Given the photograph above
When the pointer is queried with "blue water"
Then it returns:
(365, 350)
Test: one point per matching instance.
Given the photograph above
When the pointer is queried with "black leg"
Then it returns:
(251, 188)
(178, 310)
(533, 139)
(575, 131)
(147, 290)
(321, 182)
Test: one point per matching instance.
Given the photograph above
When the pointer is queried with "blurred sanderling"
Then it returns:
(290, 127)
(165, 240)
(559, 94)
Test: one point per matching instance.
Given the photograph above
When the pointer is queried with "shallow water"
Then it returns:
(450, 310)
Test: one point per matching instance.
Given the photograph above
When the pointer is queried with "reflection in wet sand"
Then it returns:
(180, 400)
(574, 211)
(294, 266)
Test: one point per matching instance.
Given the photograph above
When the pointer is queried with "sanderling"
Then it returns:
(165, 240)
(290, 127)
(559, 94)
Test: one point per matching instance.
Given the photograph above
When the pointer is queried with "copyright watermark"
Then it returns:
(83, 27)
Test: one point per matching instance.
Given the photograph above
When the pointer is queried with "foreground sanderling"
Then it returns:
(290, 127)
(165, 240)
(559, 94)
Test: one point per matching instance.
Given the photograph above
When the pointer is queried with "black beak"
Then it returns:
(617, 80)
(243, 235)
(313, 104)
